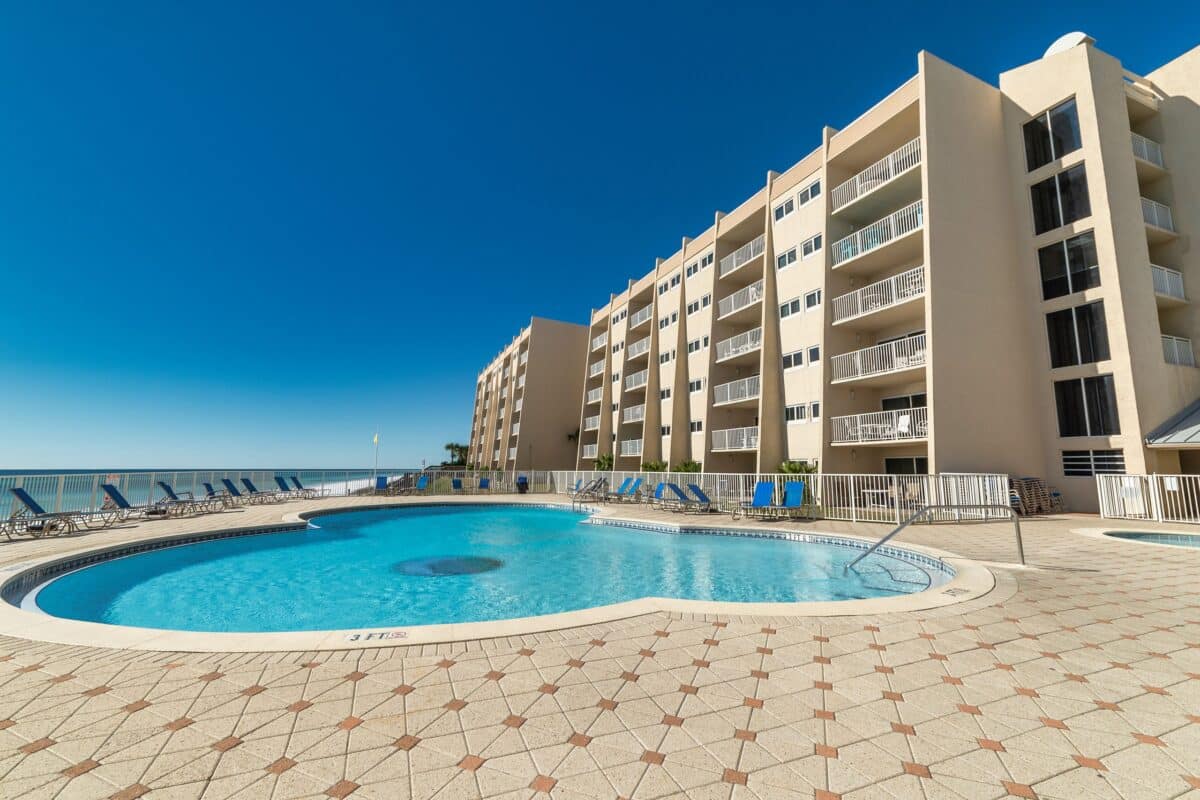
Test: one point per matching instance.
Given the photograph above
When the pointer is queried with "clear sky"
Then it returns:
(246, 234)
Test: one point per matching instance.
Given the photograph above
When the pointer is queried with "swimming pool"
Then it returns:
(426, 565)
(1176, 539)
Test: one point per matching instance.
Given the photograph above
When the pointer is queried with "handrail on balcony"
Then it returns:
(735, 439)
(631, 447)
(1157, 214)
(600, 341)
(591, 423)
(595, 395)
(641, 316)
(1167, 282)
(634, 413)
(1178, 350)
(740, 344)
(878, 233)
(1147, 150)
(637, 379)
(736, 391)
(880, 295)
(595, 368)
(882, 358)
(751, 250)
(880, 426)
(740, 299)
(885, 169)
(638, 348)
(590, 450)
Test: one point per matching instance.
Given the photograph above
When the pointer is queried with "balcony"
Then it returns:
(589, 450)
(882, 172)
(631, 447)
(521, 381)
(512, 453)
(731, 439)
(643, 315)
(517, 405)
(638, 349)
(495, 455)
(739, 391)
(591, 423)
(1168, 285)
(881, 427)
(897, 226)
(516, 428)
(524, 357)
(1149, 155)
(742, 256)
(637, 380)
(879, 362)
(881, 298)
(594, 395)
(600, 341)
(596, 368)
(634, 413)
(1177, 350)
(1160, 225)
(740, 345)
(742, 298)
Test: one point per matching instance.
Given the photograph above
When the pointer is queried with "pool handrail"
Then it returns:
(1016, 519)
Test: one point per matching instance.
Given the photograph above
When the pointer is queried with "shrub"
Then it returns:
(604, 462)
(654, 466)
(687, 466)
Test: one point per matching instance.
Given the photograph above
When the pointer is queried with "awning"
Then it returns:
(1180, 432)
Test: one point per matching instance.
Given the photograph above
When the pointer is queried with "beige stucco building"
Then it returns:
(526, 411)
(967, 277)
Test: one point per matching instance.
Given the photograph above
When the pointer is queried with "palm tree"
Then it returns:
(458, 453)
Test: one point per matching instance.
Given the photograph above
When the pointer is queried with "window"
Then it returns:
(620, 315)
(693, 268)
(903, 402)
(675, 279)
(662, 287)
(664, 322)
(791, 360)
(693, 307)
(706, 260)
(663, 358)
(784, 259)
(796, 413)
(696, 425)
(665, 430)
(784, 208)
(1052, 135)
(1060, 199)
(664, 394)
(906, 466)
(1086, 463)
(1087, 407)
(696, 385)
(618, 347)
(810, 192)
(789, 308)
(706, 301)
(616, 377)
(812, 300)
(814, 353)
(1077, 335)
(1069, 266)
(694, 346)
(814, 410)
(614, 407)
(810, 246)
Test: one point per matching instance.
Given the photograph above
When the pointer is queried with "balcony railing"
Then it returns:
(595, 368)
(637, 380)
(516, 428)
(881, 426)
(738, 345)
(640, 347)
(1177, 350)
(751, 250)
(524, 357)
(512, 453)
(735, 439)
(594, 395)
(641, 316)
(1167, 282)
(879, 233)
(735, 391)
(880, 295)
(880, 359)
(1157, 214)
(631, 447)
(740, 299)
(591, 423)
(521, 382)
(600, 341)
(496, 455)
(1148, 150)
(517, 405)
(590, 450)
(877, 174)
(634, 413)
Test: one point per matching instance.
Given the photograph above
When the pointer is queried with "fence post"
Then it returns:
(896, 496)
(1156, 500)
(853, 503)
(59, 493)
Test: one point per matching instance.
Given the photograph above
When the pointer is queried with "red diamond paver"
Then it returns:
(734, 777)
(543, 783)
(178, 724)
(226, 744)
(672, 720)
(652, 757)
(493, 675)
(131, 792)
(82, 768)
(299, 706)
(825, 751)
(342, 789)
(280, 765)
(744, 735)
(471, 763)
(36, 746)
(607, 705)
(579, 740)
(1019, 790)
(991, 744)
(514, 721)
(349, 723)
(920, 770)
(1090, 763)
(406, 742)
(403, 689)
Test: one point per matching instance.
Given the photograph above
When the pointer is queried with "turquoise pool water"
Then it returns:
(1177, 539)
(425, 565)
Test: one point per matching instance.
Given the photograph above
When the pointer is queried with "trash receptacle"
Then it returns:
(522, 484)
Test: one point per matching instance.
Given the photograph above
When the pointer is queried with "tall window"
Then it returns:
(1060, 200)
(1052, 135)
(1087, 407)
(1077, 335)
(1069, 266)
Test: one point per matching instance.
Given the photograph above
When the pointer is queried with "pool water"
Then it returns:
(426, 565)
(1177, 539)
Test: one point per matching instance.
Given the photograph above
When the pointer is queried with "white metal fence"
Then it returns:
(889, 357)
(633, 413)
(879, 173)
(1147, 149)
(740, 299)
(638, 348)
(736, 391)
(1158, 498)
(1157, 214)
(737, 345)
(855, 498)
(641, 316)
(880, 426)
(879, 295)
(637, 380)
(879, 233)
(752, 249)
(735, 439)
(594, 395)
(1177, 350)
(1167, 281)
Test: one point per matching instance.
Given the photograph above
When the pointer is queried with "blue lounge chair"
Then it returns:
(634, 495)
(125, 509)
(262, 497)
(678, 498)
(305, 491)
(522, 484)
(456, 485)
(37, 521)
(224, 498)
(381, 484)
(763, 502)
(285, 490)
(185, 501)
(232, 492)
(419, 487)
(485, 484)
(659, 497)
(702, 501)
(621, 490)
(793, 498)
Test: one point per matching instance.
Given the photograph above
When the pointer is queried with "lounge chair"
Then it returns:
(234, 493)
(621, 490)
(485, 484)
(702, 501)
(264, 497)
(185, 501)
(304, 490)
(793, 499)
(224, 498)
(381, 484)
(659, 496)
(37, 521)
(125, 509)
(680, 500)
(419, 487)
(456, 485)
(762, 504)
(287, 491)
(634, 495)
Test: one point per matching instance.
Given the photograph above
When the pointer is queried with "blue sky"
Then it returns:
(246, 234)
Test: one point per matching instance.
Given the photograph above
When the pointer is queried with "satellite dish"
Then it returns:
(1066, 42)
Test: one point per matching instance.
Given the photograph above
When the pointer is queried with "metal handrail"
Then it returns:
(926, 509)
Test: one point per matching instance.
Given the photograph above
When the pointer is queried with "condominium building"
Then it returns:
(967, 277)
(527, 400)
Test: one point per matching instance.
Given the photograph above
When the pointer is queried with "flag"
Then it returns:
(376, 442)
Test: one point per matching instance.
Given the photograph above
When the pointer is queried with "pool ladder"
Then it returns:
(1016, 520)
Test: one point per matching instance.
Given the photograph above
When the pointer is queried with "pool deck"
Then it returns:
(1077, 676)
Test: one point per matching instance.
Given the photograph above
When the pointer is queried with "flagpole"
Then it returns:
(375, 470)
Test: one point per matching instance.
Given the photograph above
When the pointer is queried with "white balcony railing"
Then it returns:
(882, 358)
(631, 447)
(746, 342)
(880, 426)
(524, 357)
(637, 380)
(1148, 150)
(516, 428)
(878, 233)
(634, 413)
(496, 454)
(735, 439)
(740, 299)
(1167, 282)
(1177, 350)
(1157, 214)
(512, 453)
(594, 395)
(751, 250)
(641, 316)
(640, 347)
(735, 391)
(519, 404)
(521, 382)
(595, 368)
(590, 450)
(591, 423)
(877, 174)
(880, 295)
(600, 341)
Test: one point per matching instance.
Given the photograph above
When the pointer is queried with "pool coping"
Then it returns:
(971, 580)
(1103, 533)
